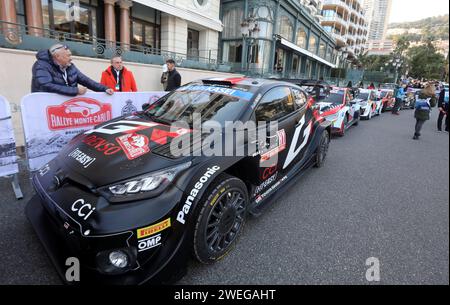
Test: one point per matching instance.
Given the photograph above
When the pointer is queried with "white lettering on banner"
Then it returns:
(194, 192)
(84, 210)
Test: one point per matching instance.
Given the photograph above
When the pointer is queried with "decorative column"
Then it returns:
(8, 14)
(125, 23)
(34, 17)
(110, 22)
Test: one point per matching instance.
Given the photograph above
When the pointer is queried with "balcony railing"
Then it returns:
(23, 37)
(335, 19)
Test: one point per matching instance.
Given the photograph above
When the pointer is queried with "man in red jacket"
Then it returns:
(117, 77)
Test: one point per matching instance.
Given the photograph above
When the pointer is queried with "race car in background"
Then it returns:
(340, 109)
(119, 199)
(387, 99)
(369, 102)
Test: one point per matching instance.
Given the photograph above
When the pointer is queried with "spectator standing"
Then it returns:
(117, 77)
(426, 101)
(164, 77)
(173, 78)
(443, 109)
(371, 86)
(54, 72)
(399, 95)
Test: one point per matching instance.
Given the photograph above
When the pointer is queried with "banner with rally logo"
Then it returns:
(51, 120)
(8, 158)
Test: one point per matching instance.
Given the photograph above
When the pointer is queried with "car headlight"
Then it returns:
(145, 186)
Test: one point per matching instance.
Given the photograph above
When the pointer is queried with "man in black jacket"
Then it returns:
(54, 72)
(173, 78)
(443, 109)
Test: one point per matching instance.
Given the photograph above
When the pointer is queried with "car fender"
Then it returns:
(195, 183)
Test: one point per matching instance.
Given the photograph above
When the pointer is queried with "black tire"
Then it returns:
(322, 149)
(222, 215)
(357, 120)
(344, 123)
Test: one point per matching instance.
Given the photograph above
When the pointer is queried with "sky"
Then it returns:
(411, 10)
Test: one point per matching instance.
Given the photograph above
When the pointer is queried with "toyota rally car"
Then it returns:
(340, 109)
(387, 99)
(120, 200)
(369, 102)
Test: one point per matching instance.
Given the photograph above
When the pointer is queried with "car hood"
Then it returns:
(118, 150)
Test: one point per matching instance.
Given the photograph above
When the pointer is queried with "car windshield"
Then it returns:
(211, 102)
(383, 94)
(363, 96)
(336, 98)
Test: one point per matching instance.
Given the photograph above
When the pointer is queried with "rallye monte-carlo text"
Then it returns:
(132, 211)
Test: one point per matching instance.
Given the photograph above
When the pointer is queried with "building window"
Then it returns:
(145, 26)
(322, 48)
(286, 28)
(301, 38)
(232, 51)
(232, 20)
(312, 44)
(82, 26)
(192, 44)
(20, 12)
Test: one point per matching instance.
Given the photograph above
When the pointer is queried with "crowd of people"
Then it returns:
(54, 72)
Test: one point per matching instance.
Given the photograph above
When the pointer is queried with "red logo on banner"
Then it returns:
(78, 112)
(134, 145)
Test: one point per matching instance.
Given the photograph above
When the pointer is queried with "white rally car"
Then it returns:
(370, 104)
(341, 109)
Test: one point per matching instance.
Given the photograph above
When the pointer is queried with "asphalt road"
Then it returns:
(380, 194)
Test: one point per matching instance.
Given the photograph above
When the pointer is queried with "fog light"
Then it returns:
(118, 259)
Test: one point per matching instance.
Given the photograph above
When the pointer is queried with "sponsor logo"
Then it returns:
(44, 170)
(153, 229)
(268, 171)
(293, 151)
(280, 145)
(149, 243)
(266, 183)
(78, 112)
(83, 209)
(102, 145)
(129, 108)
(194, 193)
(259, 198)
(134, 145)
(82, 158)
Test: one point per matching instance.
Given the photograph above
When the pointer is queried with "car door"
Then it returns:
(277, 105)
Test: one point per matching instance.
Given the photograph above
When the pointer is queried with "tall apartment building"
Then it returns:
(377, 13)
(346, 21)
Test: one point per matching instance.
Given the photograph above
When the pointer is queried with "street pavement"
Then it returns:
(380, 194)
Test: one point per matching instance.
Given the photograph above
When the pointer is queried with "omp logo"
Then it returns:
(149, 243)
(194, 192)
(153, 229)
(293, 152)
(78, 112)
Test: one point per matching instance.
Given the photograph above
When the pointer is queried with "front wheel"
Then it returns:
(322, 150)
(221, 218)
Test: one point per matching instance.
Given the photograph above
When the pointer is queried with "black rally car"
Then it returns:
(118, 199)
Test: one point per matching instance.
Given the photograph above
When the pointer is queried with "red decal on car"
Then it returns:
(134, 145)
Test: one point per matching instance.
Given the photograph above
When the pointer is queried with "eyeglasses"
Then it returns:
(60, 47)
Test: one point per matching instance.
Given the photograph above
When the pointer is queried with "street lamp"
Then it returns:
(396, 62)
(342, 56)
(249, 27)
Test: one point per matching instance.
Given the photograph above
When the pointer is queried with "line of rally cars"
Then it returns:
(344, 107)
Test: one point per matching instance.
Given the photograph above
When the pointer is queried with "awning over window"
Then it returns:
(296, 48)
(183, 13)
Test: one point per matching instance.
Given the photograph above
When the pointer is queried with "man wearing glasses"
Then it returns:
(54, 72)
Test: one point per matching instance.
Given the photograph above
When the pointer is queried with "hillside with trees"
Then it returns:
(433, 28)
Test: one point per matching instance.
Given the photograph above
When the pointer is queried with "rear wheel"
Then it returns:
(322, 150)
(221, 218)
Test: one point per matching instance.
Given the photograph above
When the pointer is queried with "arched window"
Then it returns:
(312, 44)
(322, 48)
(232, 19)
(301, 38)
(286, 28)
